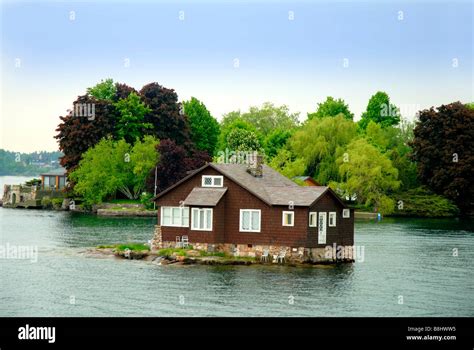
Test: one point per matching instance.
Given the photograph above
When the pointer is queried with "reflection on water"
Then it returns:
(412, 258)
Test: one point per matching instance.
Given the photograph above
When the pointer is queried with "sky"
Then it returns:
(230, 55)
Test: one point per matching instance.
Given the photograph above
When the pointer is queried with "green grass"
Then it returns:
(123, 247)
(171, 251)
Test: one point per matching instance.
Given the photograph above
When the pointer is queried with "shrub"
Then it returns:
(57, 203)
(422, 202)
(145, 199)
(46, 202)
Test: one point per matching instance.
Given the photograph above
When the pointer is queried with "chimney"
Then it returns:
(255, 167)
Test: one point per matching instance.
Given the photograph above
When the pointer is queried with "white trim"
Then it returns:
(171, 217)
(259, 220)
(346, 213)
(292, 213)
(333, 215)
(206, 214)
(316, 218)
(213, 180)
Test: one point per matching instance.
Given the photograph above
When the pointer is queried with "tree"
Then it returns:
(227, 128)
(330, 108)
(77, 133)
(443, 147)
(319, 142)
(165, 116)
(122, 91)
(130, 124)
(287, 164)
(265, 119)
(275, 141)
(369, 174)
(105, 90)
(204, 127)
(112, 166)
(173, 165)
(243, 140)
(381, 111)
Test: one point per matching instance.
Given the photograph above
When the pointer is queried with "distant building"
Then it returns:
(308, 180)
(55, 179)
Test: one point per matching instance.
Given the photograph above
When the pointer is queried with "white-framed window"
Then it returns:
(332, 219)
(212, 181)
(201, 219)
(346, 213)
(313, 219)
(250, 220)
(175, 216)
(288, 218)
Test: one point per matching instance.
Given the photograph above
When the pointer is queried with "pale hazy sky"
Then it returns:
(422, 56)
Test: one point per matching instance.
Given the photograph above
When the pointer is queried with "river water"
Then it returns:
(411, 267)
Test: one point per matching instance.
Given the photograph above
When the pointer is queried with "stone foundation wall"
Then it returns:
(292, 254)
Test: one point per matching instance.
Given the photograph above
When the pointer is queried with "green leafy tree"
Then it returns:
(227, 128)
(369, 174)
(275, 141)
(112, 166)
(319, 142)
(443, 148)
(331, 108)
(243, 140)
(265, 119)
(204, 127)
(130, 124)
(105, 90)
(381, 111)
(287, 164)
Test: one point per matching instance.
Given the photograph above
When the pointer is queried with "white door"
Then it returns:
(322, 221)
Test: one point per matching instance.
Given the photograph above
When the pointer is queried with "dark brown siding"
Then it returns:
(226, 217)
(342, 233)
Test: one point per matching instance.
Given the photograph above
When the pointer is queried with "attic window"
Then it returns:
(346, 213)
(212, 181)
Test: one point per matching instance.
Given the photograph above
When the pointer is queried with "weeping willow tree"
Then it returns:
(318, 144)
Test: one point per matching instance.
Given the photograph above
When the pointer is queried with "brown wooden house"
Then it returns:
(237, 208)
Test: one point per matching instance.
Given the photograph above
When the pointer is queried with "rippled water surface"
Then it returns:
(412, 258)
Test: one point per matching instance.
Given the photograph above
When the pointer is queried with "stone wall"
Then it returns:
(291, 254)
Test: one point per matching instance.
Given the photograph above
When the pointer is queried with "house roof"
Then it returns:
(204, 196)
(272, 188)
(55, 172)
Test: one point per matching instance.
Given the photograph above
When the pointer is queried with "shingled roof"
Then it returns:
(272, 188)
(205, 196)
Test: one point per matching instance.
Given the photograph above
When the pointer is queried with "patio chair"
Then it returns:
(264, 256)
(178, 242)
(281, 256)
(184, 241)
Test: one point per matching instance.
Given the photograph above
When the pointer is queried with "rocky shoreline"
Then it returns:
(192, 258)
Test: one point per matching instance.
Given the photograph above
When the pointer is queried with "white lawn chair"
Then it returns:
(184, 241)
(178, 242)
(264, 256)
(281, 256)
